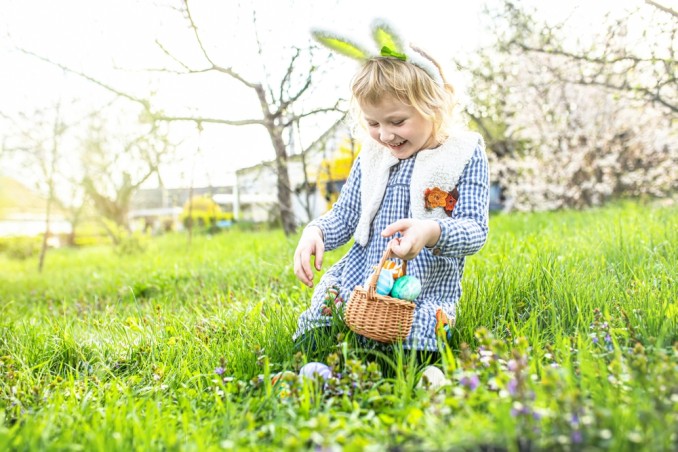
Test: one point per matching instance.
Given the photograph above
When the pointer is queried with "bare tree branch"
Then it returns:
(143, 102)
(175, 59)
(200, 119)
(660, 7)
(313, 112)
(213, 65)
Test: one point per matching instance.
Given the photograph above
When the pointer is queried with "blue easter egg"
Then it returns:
(384, 283)
(406, 287)
(310, 370)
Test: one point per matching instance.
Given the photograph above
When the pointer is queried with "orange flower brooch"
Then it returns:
(435, 197)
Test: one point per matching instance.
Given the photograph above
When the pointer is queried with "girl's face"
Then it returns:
(399, 127)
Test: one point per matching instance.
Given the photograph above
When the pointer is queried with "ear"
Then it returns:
(340, 44)
(385, 36)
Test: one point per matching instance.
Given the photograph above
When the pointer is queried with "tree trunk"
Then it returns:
(43, 248)
(50, 171)
(283, 183)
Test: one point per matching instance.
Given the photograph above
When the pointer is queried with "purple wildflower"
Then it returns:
(219, 370)
(471, 382)
(576, 437)
(512, 386)
(518, 409)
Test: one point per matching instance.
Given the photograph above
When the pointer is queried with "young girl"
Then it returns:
(419, 184)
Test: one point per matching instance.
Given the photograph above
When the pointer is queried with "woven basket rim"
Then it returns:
(385, 298)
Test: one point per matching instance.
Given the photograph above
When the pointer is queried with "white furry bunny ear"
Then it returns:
(340, 45)
(389, 45)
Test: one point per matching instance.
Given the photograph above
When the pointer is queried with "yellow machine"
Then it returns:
(333, 171)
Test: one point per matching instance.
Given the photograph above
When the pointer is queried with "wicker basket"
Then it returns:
(379, 317)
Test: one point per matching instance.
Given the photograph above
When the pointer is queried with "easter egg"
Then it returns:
(281, 382)
(389, 265)
(384, 283)
(395, 269)
(433, 378)
(332, 294)
(283, 390)
(283, 377)
(311, 370)
(406, 287)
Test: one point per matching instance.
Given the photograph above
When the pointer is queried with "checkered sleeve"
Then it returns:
(339, 224)
(465, 232)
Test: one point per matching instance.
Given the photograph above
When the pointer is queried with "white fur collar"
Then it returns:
(440, 167)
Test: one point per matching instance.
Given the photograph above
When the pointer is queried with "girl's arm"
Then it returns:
(465, 232)
(331, 230)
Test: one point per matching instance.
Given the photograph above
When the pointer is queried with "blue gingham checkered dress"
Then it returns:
(439, 269)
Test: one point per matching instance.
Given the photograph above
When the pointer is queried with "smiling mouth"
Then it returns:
(396, 145)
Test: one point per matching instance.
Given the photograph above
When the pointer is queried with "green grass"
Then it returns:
(566, 339)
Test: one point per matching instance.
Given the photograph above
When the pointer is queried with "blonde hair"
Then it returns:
(409, 84)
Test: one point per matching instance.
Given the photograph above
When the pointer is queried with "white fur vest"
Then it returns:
(440, 167)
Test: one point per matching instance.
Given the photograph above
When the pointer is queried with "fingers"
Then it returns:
(402, 248)
(301, 267)
(398, 226)
(308, 246)
(319, 253)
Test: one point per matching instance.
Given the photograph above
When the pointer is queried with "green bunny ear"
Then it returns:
(340, 45)
(385, 36)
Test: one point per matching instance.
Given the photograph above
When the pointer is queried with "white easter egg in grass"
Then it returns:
(310, 370)
(433, 378)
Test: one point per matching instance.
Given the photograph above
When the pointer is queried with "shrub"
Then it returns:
(20, 248)
(203, 213)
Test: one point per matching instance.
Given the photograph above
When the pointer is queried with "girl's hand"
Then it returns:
(415, 235)
(310, 244)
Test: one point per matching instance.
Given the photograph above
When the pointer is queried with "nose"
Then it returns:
(386, 135)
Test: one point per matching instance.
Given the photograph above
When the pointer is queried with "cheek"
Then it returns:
(374, 133)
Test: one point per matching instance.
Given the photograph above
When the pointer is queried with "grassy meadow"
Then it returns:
(566, 339)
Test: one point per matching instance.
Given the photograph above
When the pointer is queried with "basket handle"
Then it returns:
(372, 286)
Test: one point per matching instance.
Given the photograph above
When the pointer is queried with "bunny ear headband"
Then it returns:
(388, 42)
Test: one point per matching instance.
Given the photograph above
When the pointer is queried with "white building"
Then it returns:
(22, 212)
(256, 197)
